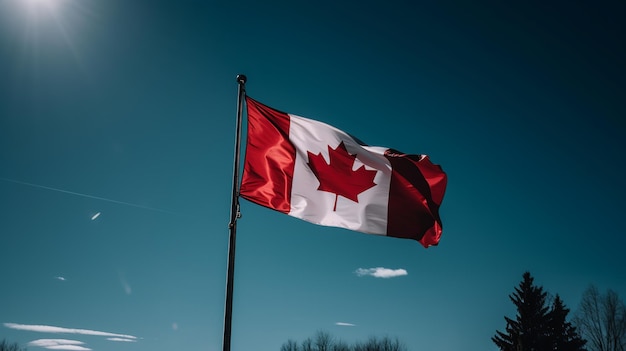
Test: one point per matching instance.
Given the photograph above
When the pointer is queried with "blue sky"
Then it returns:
(127, 109)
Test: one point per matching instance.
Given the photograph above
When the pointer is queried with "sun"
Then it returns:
(38, 4)
(39, 10)
(44, 27)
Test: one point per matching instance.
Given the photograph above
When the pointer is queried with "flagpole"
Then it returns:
(234, 214)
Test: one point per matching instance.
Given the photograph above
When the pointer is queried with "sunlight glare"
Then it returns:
(40, 10)
(46, 23)
(41, 2)
(37, 4)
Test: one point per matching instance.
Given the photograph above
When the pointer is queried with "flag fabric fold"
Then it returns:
(318, 173)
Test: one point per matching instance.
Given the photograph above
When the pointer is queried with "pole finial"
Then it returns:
(241, 78)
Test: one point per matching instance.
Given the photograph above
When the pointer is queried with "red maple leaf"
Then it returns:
(338, 177)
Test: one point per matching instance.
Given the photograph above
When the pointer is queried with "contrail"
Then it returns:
(86, 195)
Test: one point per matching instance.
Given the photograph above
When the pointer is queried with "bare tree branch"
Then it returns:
(601, 319)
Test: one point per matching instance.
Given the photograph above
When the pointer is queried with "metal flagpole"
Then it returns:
(234, 214)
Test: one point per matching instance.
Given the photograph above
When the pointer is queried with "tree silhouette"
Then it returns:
(601, 319)
(562, 334)
(536, 326)
(341, 346)
(384, 344)
(290, 345)
(6, 346)
(323, 341)
(307, 345)
(529, 330)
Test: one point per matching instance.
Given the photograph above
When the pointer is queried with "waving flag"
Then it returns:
(318, 173)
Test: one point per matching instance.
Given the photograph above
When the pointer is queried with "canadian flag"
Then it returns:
(318, 173)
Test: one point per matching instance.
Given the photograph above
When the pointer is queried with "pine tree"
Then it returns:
(529, 330)
(563, 335)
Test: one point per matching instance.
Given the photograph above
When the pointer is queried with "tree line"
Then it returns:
(540, 324)
(323, 341)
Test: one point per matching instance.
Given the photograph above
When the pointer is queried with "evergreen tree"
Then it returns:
(529, 330)
(563, 335)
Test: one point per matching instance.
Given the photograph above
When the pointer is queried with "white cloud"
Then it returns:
(60, 278)
(344, 324)
(53, 342)
(68, 347)
(52, 329)
(121, 339)
(59, 344)
(127, 288)
(381, 272)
